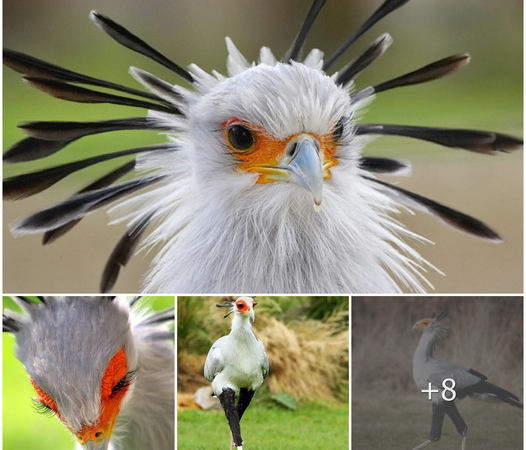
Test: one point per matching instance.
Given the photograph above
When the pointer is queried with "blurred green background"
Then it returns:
(23, 427)
(487, 94)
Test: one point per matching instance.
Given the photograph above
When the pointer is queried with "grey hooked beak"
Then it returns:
(305, 166)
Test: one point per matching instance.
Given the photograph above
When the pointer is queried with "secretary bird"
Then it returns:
(99, 364)
(430, 373)
(236, 365)
(262, 186)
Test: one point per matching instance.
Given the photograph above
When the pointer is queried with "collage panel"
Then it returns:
(92, 372)
(339, 203)
(279, 363)
(415, 359)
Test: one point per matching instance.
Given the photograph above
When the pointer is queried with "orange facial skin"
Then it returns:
(423, 323)
(113, 390)
(267, 152)
(45, 398)
(242, 306)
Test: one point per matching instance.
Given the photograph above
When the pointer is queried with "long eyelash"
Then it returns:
(124, 382)
(42, 408)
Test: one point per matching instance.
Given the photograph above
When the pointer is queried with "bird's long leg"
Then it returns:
(245, 397)
(437, 421)
(423, 444)
(452, 411)
(227, 398)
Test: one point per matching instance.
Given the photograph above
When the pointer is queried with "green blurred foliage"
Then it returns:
(196, 332)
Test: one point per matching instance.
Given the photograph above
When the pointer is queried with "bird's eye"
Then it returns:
(122, 384)
(240, 305)
(240, 138)
(337, 131)
(42, 408)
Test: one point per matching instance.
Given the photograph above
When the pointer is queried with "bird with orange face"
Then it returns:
(105, 371)
(236, 365)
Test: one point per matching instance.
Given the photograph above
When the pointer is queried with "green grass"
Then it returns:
(312, 426)
(399, 423)
(23, 427)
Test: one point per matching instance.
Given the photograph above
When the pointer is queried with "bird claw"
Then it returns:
(423, 444)
(233, 446)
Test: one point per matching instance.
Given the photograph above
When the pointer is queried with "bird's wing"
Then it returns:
(462, 375)
(264, 363)
(214, 360)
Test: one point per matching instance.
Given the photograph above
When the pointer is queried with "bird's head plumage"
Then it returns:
(275, 123)
(80, 355)
(434, 324)
(243, 306)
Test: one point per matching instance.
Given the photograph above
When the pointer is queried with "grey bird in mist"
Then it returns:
(467, 382)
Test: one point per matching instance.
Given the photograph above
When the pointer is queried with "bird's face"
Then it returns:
(424, 324)
(114, 385)
(82, 362)
(285, 123)
(244, 306)
(432, 324)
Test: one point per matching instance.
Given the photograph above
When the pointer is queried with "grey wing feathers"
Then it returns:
(214, 361)
(264, 362)
(265, 367)
(463, 378)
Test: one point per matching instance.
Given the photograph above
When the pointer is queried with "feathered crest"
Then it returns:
(440, 325)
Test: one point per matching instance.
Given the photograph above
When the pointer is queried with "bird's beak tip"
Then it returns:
(97, 445)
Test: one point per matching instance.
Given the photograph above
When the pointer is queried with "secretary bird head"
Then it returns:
(243, 306)
(99, 367)
(435, 324)
(262, 186)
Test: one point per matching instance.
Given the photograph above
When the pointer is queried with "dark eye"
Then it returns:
(122, 384)
(240, 138)
(42, 408)
(337, 131)
(240, 305)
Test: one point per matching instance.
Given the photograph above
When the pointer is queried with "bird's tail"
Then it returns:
(488, 391)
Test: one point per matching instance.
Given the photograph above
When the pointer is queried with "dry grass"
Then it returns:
(310, 348)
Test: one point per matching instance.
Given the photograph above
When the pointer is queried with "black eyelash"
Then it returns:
(124, 382)
(42, 408)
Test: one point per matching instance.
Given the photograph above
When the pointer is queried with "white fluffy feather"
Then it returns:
(219, 231)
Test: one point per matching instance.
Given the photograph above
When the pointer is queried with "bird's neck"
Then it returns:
(241, 327)
(424, 350)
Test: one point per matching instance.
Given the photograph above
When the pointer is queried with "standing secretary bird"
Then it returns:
(236, 365)
(430, 373)
(262, 185)
(102, 367)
